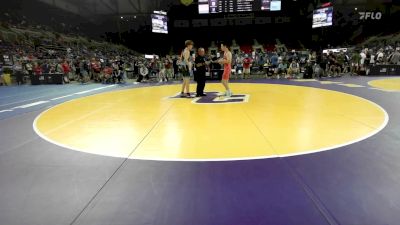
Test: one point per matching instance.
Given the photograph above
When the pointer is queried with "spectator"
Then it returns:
(84, 67)
(143, 73)
(380, 56)
(367, 61)
(52, 67)
(59, 68)
(46, 67)
(136, 66)
(281, 70)
(309, 70)
(340, 62)
(246, 66)
(363, 58)
(319, 66)
(261, 62)
(115, 68)
(274, 60)
(293, 56)
(18, 71)
(395, 57)
(154, 67)
(121, 68)
(346, 65)
(280, 59)
(66, 71)
(161, 68)
(372, 58)
(333, 68)
(313, 58)
(318, 71)
(239, 65)
(234, 56)
(29, 68)
(95, 69)
(78, 73)
(294, 69)
(175, 67)
(108, 74)
(355, 63)
(37, 69)
(2, 81)
(168, 64)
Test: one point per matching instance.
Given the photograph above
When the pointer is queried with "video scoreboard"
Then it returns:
(234, 6)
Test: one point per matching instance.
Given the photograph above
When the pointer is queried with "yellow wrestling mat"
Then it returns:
(276, 121)
(392, 84)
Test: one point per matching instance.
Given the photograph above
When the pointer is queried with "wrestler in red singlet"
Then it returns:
(227, 68)
(227, 62)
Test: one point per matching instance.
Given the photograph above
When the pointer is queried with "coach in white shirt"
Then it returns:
(379, 57)
(363, 57)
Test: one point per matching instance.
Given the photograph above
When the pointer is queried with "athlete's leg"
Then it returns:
(183, 86)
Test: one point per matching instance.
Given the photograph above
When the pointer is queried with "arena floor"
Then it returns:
(278, 152)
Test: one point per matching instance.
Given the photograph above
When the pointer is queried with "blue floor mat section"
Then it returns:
(244, 192)
(16, 100)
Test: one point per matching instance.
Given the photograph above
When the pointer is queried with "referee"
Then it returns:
(200, 75)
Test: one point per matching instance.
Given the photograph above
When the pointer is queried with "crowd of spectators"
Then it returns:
(80, 63)
(331, 63)
(110, 64)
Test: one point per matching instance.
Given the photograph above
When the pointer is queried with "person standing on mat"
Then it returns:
(200, 73)
(18, 71)
(227, 63)
(186, 68)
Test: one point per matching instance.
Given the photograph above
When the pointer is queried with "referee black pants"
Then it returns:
(201, 83)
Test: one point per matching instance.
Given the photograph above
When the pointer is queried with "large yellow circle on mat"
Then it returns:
(277, 121)
(392, 84)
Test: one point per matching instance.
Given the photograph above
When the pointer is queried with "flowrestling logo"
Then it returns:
(370, 15)
(216, 98)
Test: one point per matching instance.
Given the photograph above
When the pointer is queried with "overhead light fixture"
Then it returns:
(160, 12)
